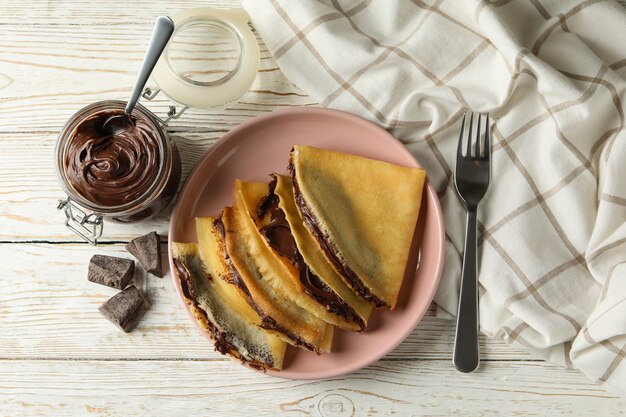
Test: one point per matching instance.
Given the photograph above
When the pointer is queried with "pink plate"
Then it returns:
(261, 146)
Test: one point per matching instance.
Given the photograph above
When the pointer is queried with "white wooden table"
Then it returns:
(59, 357)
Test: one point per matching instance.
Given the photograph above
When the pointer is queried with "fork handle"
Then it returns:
(466, 355)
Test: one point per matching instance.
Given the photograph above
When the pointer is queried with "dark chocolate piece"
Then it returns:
(111, 271)
(147, 250)
(122, 309)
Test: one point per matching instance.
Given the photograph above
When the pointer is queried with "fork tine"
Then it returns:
(477, 144)
(487, 144)
(469, 137)
(459, 149)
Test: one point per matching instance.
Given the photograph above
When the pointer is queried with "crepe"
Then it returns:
(363, 215)
(247, 254)
(314, 258)
(212, 243)
(212, 248)
(281, 255)
(230, 330)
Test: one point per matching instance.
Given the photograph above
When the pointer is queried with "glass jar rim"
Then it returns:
(198, 21)
(67, 133)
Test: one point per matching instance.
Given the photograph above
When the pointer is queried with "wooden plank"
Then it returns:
(29, 190)
(48, 309)
(109, 13)
(48, 74)
(173, 388)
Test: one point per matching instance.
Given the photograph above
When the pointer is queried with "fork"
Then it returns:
(471, 179)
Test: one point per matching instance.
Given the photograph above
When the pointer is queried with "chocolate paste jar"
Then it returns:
(126, 177)
(134, 177)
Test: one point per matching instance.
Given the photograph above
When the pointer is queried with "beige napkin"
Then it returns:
(552, 231)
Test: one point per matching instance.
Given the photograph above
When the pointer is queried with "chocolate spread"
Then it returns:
(277, 232)
(328, 247)
(112, 170)
(278, 235)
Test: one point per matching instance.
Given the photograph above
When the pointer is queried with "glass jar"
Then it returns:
(84, 215)
(195, 74)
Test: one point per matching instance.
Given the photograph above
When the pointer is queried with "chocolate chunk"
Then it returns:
(123, 308)
(111, 271)
(147, 250)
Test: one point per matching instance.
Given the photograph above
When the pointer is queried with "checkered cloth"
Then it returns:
(552, 74)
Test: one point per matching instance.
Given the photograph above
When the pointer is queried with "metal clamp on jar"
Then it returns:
(136, 177)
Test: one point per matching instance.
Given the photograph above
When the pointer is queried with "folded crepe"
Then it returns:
(292, 246)
(216, 307)
(212, 248)
(247, 256)
(280, 254)
(211, 235)
(363, 215)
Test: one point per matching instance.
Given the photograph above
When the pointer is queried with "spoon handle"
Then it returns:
(163, 29)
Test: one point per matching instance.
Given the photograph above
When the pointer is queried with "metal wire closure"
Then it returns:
(87, 226)
(172, 113)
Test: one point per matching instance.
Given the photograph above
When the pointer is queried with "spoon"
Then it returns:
(163, 29)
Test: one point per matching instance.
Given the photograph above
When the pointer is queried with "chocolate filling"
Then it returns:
(278, 235)
(277, 232)
(329, 248)
(267, 322)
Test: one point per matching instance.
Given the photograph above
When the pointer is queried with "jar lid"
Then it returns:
(211, 60)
